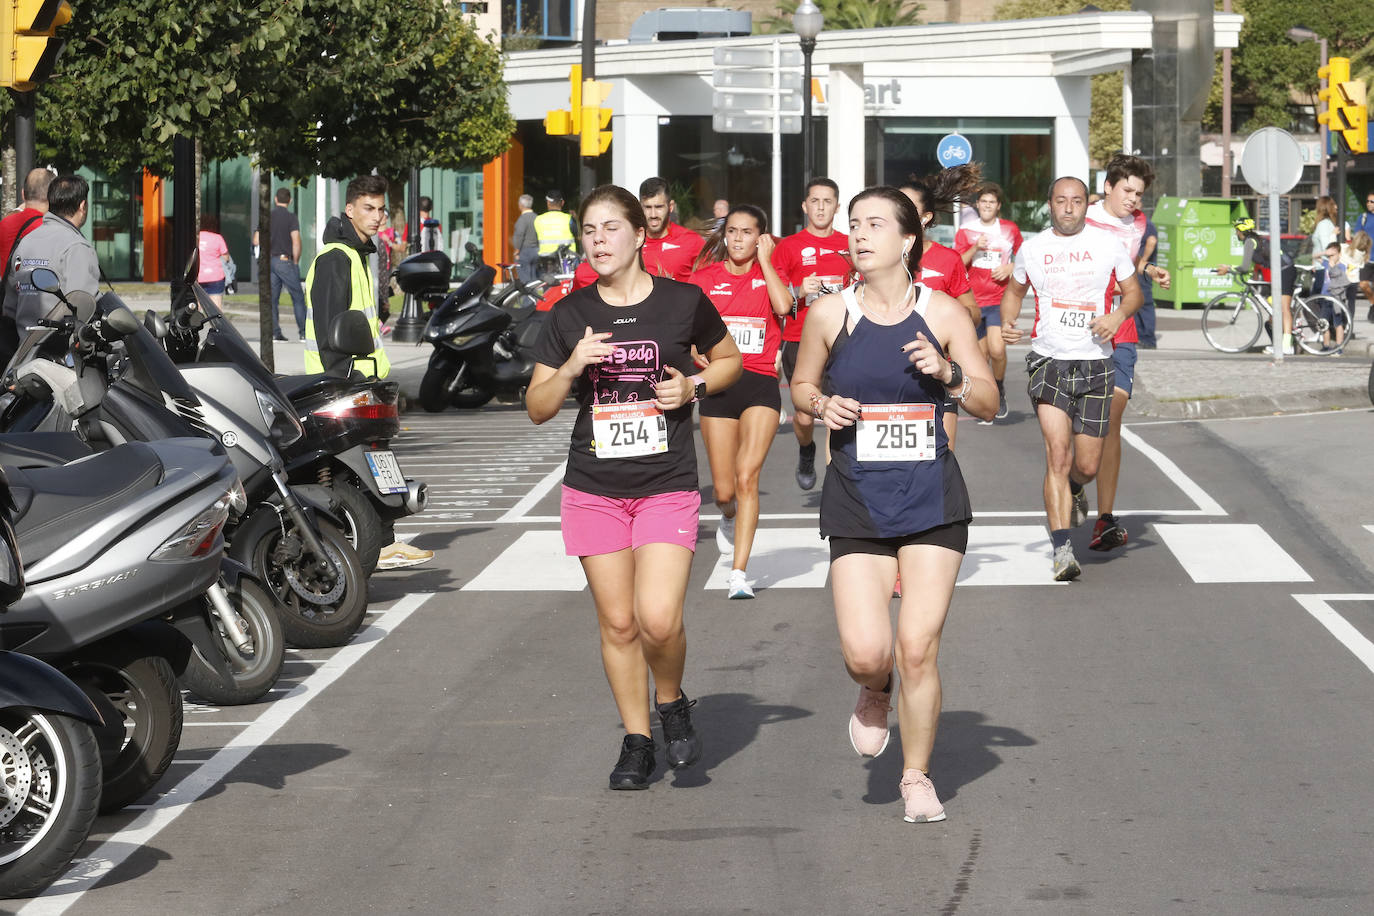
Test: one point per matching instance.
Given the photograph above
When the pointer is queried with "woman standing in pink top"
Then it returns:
(213, 255)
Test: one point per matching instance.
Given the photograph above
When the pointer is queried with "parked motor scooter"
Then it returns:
(481, 350)
(48, 753)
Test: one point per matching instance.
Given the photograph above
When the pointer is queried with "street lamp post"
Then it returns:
(807, 21)
(1300, 34)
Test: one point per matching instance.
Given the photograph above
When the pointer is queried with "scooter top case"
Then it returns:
(138, 526)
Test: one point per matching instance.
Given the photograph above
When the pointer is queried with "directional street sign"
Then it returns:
(755, 57)
(723, 123)
(760, 90)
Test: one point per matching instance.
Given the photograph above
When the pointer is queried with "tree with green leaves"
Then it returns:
(849, 14)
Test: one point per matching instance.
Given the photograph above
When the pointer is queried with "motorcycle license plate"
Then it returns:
(386, 470)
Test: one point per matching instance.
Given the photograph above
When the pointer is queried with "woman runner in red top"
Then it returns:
(623, 347)
(736, 273)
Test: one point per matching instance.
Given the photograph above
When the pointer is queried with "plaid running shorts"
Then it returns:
(1082, 388)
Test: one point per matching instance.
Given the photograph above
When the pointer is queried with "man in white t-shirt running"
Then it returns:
(1073, 270)
(1118, 212)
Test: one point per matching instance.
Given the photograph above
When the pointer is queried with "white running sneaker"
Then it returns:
(738, 585)
(725, 535)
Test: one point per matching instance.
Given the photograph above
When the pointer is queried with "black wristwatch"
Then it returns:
(956, 375)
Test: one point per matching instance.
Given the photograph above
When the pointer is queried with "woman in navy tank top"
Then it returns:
(872, 368)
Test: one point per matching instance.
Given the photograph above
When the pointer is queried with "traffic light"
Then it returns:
(1345, 112)
(28, 48)
(560, 122)
(596, 139)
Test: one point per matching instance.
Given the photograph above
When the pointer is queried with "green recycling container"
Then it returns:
(1195, 235)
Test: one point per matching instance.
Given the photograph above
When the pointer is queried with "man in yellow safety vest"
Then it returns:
(553, 227)
(340, 280)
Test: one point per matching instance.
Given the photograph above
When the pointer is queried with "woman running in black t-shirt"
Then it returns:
(623, 348)
(735, 271)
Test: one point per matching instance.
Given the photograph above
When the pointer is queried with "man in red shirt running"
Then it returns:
(988, 248)
(812, 263)
(13, 227)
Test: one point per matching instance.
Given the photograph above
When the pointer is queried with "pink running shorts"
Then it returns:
(593, 525)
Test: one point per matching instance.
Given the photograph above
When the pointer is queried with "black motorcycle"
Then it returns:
(481, 349)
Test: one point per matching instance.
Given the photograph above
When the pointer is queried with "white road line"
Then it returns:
(782, 558)
(541, 550)
(1319, 606)
(1369, 528)
(1205, 503)
(1229, 553)
(530, 499)
(65, 893)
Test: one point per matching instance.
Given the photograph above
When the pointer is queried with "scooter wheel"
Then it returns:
(52, 781)
(362, 523)
(254, 671)
(138, 697)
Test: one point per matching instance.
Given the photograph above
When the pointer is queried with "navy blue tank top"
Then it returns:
(883, 499)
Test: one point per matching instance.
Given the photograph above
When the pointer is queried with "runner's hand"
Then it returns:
(1162, 277)
(674, 391)
(1010, 332)
(1001, 272)
(839, 412)
(766, 245)
(1104, 327)
(591, 350)
(926, 357)
(811, 285)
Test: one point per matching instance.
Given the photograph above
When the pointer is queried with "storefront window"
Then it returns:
(114, 225)
(1017, 153)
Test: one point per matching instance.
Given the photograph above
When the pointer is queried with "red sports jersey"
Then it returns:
(742, 300)
(1128, 232)
(583, 276)
(1004, 241)
(672, 255)
(803, 255)
(943, 270)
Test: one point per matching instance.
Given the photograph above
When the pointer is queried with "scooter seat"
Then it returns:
(52, 503)
(41, 449)
(292, 385)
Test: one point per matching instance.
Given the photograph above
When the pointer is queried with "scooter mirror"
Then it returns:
(122, 322)
(154, 323)
(45, 280)
(350, 333)
(83, 303)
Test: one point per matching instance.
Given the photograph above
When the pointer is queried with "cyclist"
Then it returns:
(988, 248)
(1073, 269)
(1118, 212)
(1256, 257)
(942, 268)
(736, 273)
(894, 498)
(812, 262)
(630, 503)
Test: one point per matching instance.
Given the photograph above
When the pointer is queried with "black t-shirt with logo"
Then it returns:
(648, 336)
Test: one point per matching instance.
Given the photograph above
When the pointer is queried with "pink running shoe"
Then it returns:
(922, 804)
(868, 731)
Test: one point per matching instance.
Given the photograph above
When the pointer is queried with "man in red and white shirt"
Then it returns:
(1118, 212)
(812, 263)
(988, 247)
(1074, 269)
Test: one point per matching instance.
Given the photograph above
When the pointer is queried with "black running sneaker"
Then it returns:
(684, 745)
(1107, 534)
(1001, 402)
(806, 466)
(636, 763)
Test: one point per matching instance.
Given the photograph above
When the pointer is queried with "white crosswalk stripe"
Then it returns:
(1230, 553)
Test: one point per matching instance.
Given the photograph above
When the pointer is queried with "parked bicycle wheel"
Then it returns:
(1232, 322)
(1321, 324)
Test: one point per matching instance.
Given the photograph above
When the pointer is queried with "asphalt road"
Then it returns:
(1187, 728)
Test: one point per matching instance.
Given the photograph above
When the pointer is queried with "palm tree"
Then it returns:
(850, 14)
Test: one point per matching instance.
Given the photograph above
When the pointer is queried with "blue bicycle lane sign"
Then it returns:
(954, 149)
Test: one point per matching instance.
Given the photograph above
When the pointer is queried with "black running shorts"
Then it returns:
(1082, 388)
(752, 390)
(953, 536)
(789, 357)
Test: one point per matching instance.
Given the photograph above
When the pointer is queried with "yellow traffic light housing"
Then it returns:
(28, 47)
(1354, 115)
(561, 122)
(596, 139)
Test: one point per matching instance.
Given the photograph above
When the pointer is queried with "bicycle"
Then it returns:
(1233, 321)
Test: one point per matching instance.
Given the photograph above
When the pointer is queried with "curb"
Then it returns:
(1144, 404)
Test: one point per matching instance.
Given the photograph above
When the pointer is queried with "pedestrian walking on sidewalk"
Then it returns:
(872, 368)
(630, 504)
(285, 261)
